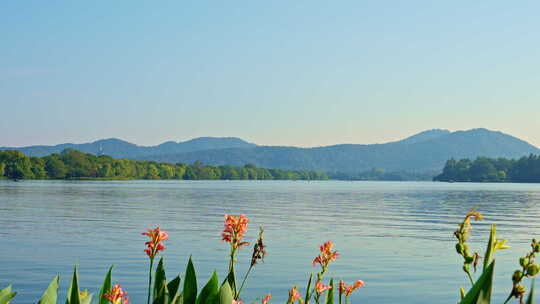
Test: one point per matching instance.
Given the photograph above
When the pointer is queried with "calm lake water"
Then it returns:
(396, 236)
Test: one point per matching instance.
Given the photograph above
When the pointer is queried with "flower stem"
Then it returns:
(470, 277)
(244, 281)
(150, 279)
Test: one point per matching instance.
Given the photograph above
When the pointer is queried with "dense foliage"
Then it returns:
(73, 164)
(483, 169)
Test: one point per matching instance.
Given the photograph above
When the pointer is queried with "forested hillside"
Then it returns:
(425, 152)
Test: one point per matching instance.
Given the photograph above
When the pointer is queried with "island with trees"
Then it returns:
(523, 170)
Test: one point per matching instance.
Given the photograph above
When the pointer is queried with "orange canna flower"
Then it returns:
(320, 287)
(117, 295)
(326, 256)
(266, 299)
(237, 302)
(348, 289)
(293, 295)
(155, 245)
(234, 230)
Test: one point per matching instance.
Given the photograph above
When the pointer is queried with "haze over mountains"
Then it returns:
(423, 152)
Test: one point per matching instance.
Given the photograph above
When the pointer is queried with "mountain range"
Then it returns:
(423, 152)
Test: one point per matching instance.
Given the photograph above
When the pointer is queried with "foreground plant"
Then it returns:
(326, 256)
(117, 295)
(462, 235)
(481, 290)
(346, 290)
(529, 269)
(153, 247)
(233, 233)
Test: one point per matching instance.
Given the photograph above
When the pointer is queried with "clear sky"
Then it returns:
(303, 73)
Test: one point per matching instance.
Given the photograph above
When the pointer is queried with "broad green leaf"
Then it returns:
(162, 294)
(493, 245)
(190, 284)
(210, 291)
(179, 299)
(225, 294)
(530, 298)
(51, 294)
(231, 279)
(330, 293)
(73, 291)
(490, 250)
(173, 286)
(480, 292)
(160, 279)
(106, 287)
(6, 295)
(308, 289)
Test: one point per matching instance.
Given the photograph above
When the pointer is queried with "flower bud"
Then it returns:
(516, 277)
(469, 259)
(537, 248)
(459, 248)
(523, 262)
(532, 270)
(465, 249)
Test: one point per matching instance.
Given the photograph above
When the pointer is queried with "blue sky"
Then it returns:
(304, 73)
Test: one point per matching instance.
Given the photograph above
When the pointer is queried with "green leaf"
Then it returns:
(6, 295)
(73, 291)
(160, 279)
(231, 279)
(530, 298)
(173, 286)
(210, 291)
(190, 284)
(225, 294)
(179, 299)
(106, 287)
(480, 292)
(308, 289)
(490, 250)
(330, 293)
(162, 294)
(51, 294)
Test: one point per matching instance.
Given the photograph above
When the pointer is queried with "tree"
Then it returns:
(55, 167)
(18, 165)
(38, 167)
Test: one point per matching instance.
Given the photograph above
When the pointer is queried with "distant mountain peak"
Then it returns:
(112, 140)
(425, 136)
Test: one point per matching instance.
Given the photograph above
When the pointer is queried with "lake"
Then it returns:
(396, 236)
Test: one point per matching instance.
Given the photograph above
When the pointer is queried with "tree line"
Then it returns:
(73, 164)
(483, 169)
